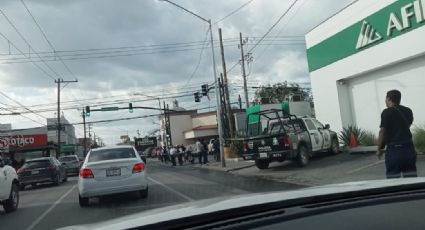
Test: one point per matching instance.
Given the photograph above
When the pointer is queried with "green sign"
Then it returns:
(68, 148)
(109, 109)
(253, 118)
(394, 20)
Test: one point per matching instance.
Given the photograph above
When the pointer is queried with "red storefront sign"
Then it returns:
(23, 141)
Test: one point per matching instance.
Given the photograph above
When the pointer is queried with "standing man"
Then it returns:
(199, 150)
(400, 155)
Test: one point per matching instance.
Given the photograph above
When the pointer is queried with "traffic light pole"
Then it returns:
(85, 138)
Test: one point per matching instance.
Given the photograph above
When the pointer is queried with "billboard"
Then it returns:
(23, 141)
(141, 144)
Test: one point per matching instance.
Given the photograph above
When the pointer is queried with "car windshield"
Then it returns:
(70, 158)
(37, 164)
(111, 154)
(148, 104)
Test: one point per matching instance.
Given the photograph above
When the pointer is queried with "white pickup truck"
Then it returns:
(9, 187)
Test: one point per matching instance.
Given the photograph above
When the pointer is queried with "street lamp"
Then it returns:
(217, 96)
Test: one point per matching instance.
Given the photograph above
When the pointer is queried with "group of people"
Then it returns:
(180, 154)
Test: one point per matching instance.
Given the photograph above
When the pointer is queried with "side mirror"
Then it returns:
(327, 126)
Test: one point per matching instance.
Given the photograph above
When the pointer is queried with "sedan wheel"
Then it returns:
(335, 146)
(84, 202)
(144, 193)
(58, 180)
(12, 203)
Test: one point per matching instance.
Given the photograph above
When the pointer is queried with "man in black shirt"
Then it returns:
(400, 155)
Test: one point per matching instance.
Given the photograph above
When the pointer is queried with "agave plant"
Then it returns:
(345, 135)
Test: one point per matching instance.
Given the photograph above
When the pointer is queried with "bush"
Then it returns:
(419, 138)
(345, 134)
(236, 146)
(368, 139)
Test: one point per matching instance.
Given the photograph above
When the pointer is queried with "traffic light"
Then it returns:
(87, 111)
(197, 97)
(204, 90)
(130, 107)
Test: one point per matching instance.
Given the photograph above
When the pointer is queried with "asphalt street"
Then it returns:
(49, 207)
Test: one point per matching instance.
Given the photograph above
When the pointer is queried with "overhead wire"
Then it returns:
(47, 40)
(233, 12)
(25, 40)
(199, 59)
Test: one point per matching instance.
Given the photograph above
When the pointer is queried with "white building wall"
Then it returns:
(178, 125)
(352, 90)
(204, 120)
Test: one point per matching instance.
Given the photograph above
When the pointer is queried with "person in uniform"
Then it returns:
(400, 154)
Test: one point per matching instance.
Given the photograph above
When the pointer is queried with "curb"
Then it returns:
(223, 170)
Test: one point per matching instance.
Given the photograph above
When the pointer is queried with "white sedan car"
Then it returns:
(111, 170)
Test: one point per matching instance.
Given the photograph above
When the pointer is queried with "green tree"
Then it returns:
(279, 93)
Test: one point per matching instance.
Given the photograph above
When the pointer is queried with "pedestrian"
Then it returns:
(199, 150)
(205, 152)
(173, 155)
(180, 151)
(216, 149)
(400, 154)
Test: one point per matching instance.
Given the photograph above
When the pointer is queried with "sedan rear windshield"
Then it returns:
(37, 164)
(111, 154)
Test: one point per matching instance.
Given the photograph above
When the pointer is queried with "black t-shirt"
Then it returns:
(396, 121)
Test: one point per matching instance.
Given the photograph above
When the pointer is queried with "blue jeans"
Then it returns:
(205, 156)
(400, 160)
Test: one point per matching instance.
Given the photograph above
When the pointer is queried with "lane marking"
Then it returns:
(40, 218)
(171, 189)
(365, 167)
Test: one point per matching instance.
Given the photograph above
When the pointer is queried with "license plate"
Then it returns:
(277, 155)
(113, 172)
(35, 172)
(263, 155)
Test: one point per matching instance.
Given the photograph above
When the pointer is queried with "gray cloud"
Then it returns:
(81, 24)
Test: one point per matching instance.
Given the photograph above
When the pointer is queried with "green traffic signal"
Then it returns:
(130, 107)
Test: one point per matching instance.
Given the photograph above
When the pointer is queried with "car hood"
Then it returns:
(220, 204)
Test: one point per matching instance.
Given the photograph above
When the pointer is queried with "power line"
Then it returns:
(24, 116)
(199, 60)
(34, 63)
(281, 30)
(264, 36)
(233, 12)
(119, 53)
(274, 25)
(29, 45)
(45, 37)
(5, 95)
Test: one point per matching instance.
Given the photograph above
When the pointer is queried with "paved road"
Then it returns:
(328, 169)
(49, 207)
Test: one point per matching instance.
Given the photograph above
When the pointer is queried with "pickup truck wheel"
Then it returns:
(262, 164)
(334, 146)
(303, 156)
(12, 203)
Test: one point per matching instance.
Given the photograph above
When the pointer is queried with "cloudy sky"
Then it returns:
(139, 50)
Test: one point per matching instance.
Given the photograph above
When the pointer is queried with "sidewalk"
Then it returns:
(233, 164)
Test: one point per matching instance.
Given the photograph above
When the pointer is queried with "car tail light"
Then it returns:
(86, 173)
(286, 141)
(245, 147)
(21, 171)
(138, 167)
(51, 168)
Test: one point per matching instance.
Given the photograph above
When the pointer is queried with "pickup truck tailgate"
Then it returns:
(266, 146)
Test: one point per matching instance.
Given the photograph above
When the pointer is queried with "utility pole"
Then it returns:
(90, 135)
(226, 88)
(245, 87)
(59, 128)
(85, 138)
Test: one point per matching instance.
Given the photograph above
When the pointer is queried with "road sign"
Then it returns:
(109, 109)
